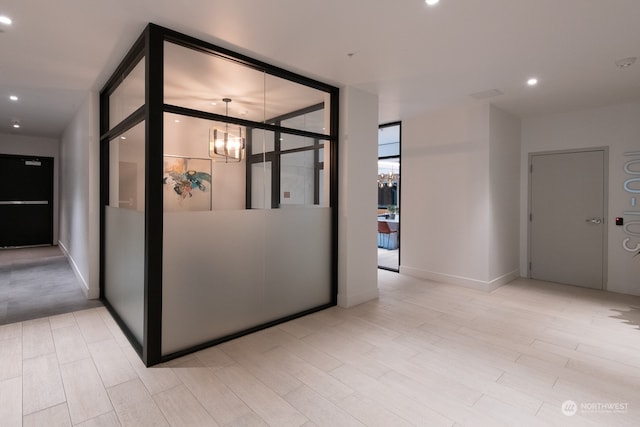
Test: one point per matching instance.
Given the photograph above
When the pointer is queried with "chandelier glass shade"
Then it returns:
(224, 145)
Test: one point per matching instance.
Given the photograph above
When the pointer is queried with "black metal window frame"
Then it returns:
(275, 155)
(150, 48)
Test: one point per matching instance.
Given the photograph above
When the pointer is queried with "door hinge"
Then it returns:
(529, 266)
(531, 168)
(530, 217)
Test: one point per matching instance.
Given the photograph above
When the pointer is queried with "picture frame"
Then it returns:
(187, 184)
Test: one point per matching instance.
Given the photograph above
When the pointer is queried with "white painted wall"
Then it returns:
(358, 156)
(460, 201)
(617, 127)
(504, 206)
(37, 146)
(79, 201)
(445, 194)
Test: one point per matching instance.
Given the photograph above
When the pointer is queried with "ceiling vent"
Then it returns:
(486, 94)
(626, 62)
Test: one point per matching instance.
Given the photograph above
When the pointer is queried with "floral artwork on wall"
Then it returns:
(187, 184)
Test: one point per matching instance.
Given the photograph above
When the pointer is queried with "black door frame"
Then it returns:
(49, 199)
(399, 157)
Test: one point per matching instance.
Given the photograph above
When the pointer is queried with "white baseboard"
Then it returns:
(76, 270)
(351, 300)
(461, 281)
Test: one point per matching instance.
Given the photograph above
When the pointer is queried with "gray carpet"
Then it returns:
(38, 282)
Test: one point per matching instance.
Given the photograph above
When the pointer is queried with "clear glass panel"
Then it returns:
(124, 228)
(126, 169)
(262, 141)
(128, 96)
(313, 122)
(389, 141)
(228, 271)
(192, 182)
(299, 179)
(261, 174)
(291, 142)
(200, 81)
(286, 100)
(388, 184)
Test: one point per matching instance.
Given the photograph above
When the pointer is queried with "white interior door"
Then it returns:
(567, 221)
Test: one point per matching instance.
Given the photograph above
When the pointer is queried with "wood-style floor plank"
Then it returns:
(182, 409)
(41, 383)
(11, 402)
(134, 405)
(85, 392)
(53, 416)
(36, 338)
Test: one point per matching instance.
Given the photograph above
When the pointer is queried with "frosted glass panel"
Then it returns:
(224, 272)
(129, 95)
(124, 266)
(298, 260)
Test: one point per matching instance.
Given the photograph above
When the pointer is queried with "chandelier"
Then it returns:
(223, 145)
(388, 179)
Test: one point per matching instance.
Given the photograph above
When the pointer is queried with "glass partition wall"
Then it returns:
(218, 188)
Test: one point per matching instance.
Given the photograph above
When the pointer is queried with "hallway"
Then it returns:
(38, 282)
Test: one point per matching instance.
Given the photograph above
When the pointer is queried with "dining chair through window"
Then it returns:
(383, 228)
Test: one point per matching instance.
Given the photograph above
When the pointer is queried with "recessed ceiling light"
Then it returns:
(13, 97)
(532, 81)
(432, 2)
(5, 20)
(15, 123)
(176, 121)
(123, 137)
(214, 103)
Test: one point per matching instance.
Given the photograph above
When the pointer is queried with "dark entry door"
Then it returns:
(26, 200)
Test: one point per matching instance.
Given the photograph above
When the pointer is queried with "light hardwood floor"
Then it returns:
(424, 354)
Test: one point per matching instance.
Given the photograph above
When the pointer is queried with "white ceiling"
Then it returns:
(413, 56)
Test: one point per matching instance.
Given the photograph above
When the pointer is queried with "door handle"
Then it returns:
(594, 220)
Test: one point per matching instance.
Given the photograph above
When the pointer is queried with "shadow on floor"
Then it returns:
(630, 317)
(38, 282)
